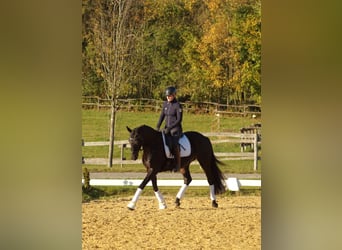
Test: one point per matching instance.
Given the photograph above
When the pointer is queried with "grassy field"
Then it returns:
(95, 127)
(95, 124)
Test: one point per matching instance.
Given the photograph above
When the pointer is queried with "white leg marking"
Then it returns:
(181, 191)
(212, 193)
(135, 198)
(131, 205)
(160, 198)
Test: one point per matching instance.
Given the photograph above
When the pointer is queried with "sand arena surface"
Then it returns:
(235, 224)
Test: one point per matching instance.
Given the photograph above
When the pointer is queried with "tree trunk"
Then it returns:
(111, 134)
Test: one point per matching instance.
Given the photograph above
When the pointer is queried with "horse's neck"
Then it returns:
(150, 137)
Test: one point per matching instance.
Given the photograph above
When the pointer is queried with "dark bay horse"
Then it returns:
(155, 161)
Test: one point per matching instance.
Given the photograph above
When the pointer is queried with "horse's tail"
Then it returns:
(218, 177)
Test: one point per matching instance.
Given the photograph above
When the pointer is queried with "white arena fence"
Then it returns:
(233, 183)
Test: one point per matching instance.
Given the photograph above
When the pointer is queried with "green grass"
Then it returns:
(95, 127)
(95, 124)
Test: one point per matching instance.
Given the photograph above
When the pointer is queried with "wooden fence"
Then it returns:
(242, 139)
(145, 104)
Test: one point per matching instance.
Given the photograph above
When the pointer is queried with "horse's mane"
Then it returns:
(145, 127)
(146, 130)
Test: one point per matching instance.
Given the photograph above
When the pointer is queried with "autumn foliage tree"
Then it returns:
(209, 49)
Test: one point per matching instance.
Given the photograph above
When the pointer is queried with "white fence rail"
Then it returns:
(233, 183)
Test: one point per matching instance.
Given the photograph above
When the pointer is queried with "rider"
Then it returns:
(172, 113)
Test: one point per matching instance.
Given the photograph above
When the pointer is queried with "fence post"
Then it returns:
(255, 152)
(123, 146)
(86, 178)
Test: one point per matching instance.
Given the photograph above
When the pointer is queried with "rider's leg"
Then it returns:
(176, 153)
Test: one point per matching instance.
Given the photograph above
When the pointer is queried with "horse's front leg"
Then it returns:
(187, 179)
(160, 198)
(131, 205)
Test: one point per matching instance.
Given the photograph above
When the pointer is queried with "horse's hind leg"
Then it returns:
(205, 163)
(213, 196)
(187, 179)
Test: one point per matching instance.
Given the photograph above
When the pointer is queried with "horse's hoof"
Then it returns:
(162, 205)
(131, 206)
(177, 202)
(214, 204)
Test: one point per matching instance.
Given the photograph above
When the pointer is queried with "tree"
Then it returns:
(246, 55)
(111, 39)
(92, 83)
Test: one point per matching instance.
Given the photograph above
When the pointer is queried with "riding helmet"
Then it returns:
(170, 91)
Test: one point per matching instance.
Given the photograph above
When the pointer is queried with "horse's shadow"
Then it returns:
(246, 207)
(220, 208)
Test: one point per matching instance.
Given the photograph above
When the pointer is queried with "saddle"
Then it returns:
(184, 145)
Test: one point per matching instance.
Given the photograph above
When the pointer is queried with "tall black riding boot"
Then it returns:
(176, 153)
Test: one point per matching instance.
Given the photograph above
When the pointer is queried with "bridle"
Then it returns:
(136, 143)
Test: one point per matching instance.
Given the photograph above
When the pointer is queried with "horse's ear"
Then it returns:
(129, 130)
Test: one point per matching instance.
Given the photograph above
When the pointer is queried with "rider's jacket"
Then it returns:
(173, 115)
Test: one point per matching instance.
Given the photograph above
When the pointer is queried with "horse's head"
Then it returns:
(136, 142)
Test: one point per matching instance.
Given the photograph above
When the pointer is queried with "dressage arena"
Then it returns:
(235, 224)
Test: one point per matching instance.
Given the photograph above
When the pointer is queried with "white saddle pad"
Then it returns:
(184, 144)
